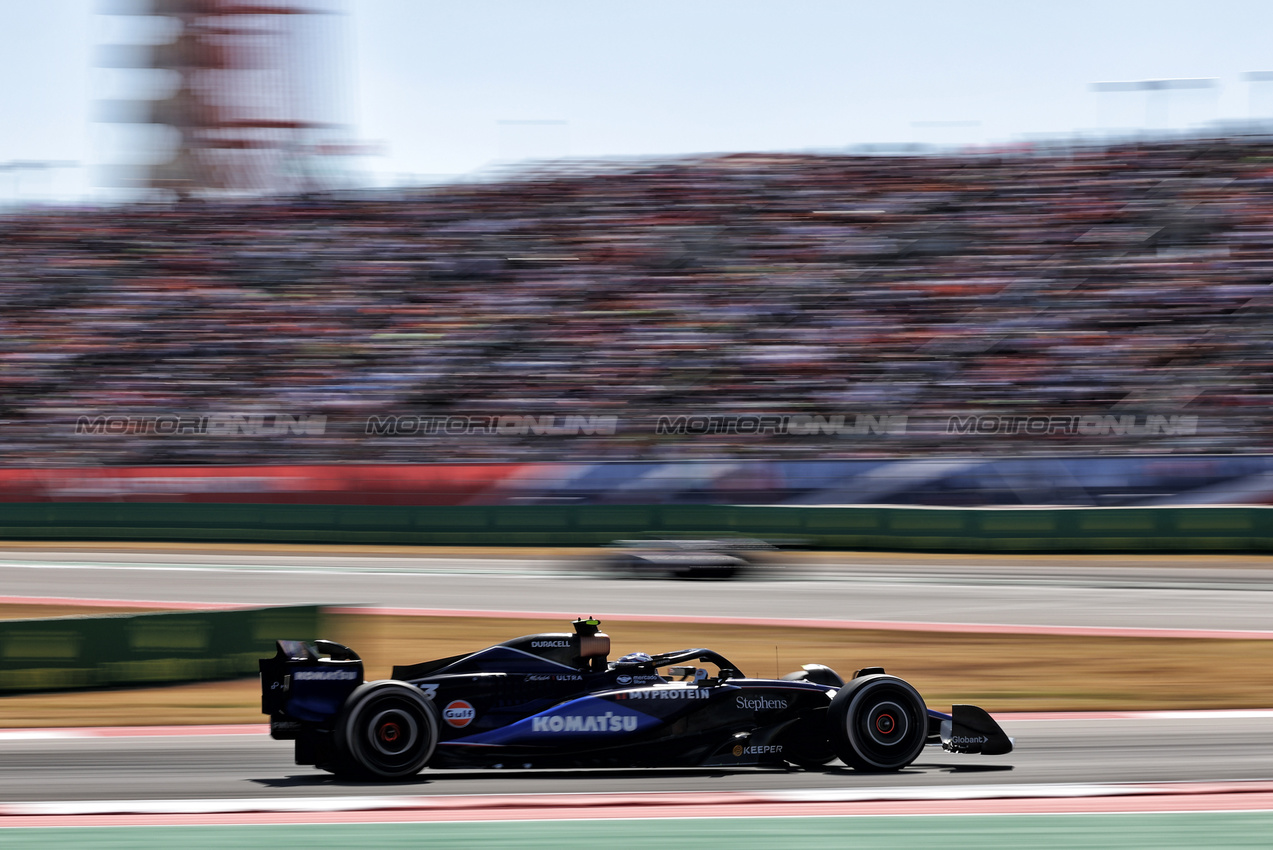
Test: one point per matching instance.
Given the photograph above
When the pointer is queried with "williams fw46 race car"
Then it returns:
(554, 701)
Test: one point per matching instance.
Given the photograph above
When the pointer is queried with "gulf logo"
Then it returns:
(458, 713)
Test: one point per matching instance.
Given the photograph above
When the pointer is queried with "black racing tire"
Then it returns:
(710, 572)
(879, 723)
(727, 572)
(386, 730)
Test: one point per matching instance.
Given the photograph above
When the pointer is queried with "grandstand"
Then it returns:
(1094, 282)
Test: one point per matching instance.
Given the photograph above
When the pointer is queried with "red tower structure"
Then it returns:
(243, 98)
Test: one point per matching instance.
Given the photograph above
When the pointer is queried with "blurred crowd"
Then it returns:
(1125, 280)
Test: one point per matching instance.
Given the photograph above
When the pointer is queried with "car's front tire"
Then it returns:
(386, 730)
(878, 723)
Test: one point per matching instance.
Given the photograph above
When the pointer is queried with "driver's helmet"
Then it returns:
(635, 658)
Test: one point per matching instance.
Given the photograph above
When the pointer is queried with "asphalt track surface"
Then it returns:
(1205, 747)
(1170, 593)
(1167, 593)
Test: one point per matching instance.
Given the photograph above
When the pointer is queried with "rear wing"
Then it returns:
(306, 684)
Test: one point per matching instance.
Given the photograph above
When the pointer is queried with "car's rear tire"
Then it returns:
(711, 572)
(878, 723)
(386, 730)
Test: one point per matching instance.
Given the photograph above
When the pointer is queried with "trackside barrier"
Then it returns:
(1166, 529)
(58, 653)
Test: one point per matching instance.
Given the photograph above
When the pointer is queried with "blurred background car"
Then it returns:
(720, 558)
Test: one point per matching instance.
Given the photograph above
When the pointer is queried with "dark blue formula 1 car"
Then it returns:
(553, 700)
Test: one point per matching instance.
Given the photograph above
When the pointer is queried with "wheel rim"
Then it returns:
(886, 726)
(392, 735)
(393, 732)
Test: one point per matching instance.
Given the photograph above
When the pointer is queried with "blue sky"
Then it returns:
(432, 81)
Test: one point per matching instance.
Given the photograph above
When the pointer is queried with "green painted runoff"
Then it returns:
(949, 832)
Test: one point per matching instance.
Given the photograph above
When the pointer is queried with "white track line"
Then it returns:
(487, 801)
